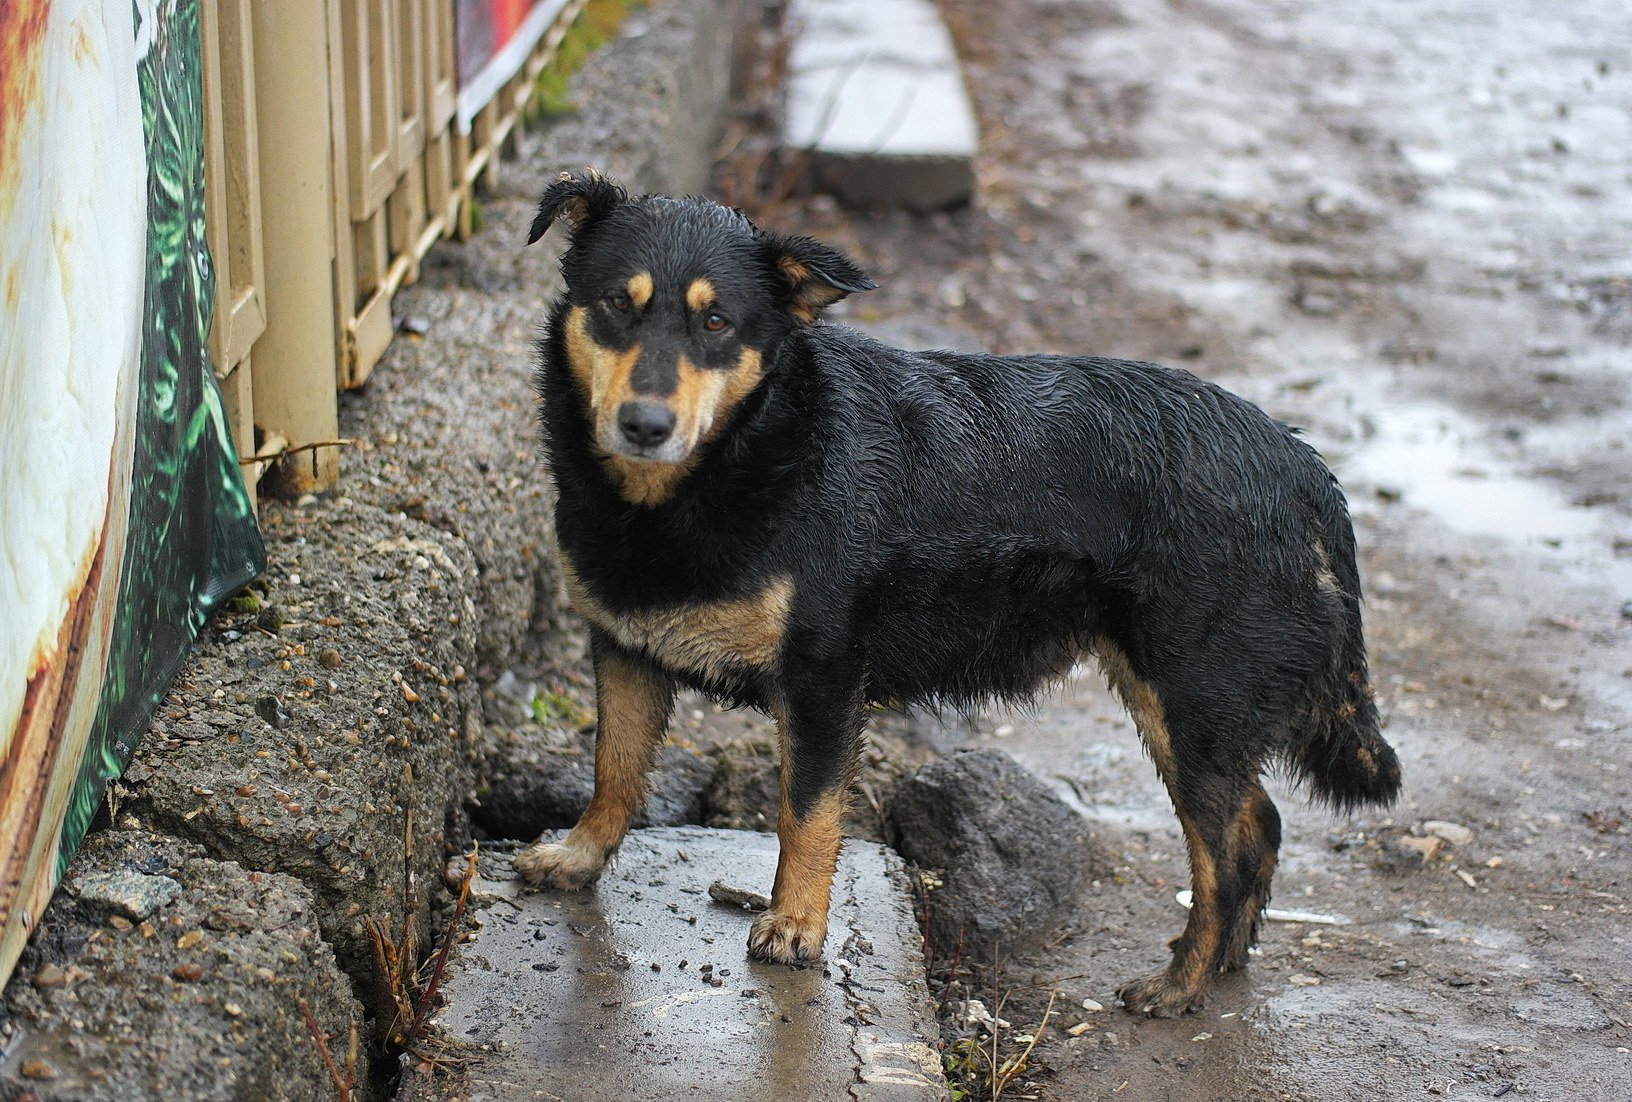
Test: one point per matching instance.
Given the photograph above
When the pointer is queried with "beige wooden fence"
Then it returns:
(334, 161)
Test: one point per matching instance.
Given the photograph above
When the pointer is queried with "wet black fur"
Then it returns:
(962, 528)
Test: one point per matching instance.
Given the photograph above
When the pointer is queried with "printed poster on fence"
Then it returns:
(495, 37)
(123, 515)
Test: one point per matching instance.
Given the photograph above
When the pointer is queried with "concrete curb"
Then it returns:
(195, 998)
(876, 94)
(640, 989)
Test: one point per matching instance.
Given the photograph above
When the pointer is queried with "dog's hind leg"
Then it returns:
(819, 722)
(1232, 832)
(1231, 829)
(1253, 844)
(632, 700)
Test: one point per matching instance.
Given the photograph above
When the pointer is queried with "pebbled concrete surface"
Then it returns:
(641, 990)
(284, 747)
(199, 999)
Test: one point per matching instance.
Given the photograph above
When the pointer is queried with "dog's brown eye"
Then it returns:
(619, 302)
(714, 323)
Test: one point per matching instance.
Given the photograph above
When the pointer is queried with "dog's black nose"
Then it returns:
(645, 424)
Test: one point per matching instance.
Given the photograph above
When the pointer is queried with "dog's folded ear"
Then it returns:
(580, 198)
(814, 275)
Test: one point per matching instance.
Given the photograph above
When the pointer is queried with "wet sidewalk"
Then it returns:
(641, 989)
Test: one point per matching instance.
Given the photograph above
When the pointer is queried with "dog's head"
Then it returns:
(672, 306)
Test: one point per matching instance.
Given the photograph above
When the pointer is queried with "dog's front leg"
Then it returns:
(633, 699)
(819, 723)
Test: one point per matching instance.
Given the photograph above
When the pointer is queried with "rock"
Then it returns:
(50, 976)
(744, 792)
(1012, 856)
(677, 788)
(149, 1021)
(531, 784)
(125, 892)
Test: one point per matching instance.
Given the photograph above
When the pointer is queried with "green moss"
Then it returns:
(594, 28)
(551, 707)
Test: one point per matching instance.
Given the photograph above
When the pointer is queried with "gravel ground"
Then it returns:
(1403, 228)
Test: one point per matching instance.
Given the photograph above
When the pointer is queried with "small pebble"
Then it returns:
(49, 976)
(1454, 833)
(38, 1069)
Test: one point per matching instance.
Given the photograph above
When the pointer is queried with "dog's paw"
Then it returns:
(1159, 996)
(559, 865)
(784, 939)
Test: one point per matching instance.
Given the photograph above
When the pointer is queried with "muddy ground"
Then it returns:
(1406, 228)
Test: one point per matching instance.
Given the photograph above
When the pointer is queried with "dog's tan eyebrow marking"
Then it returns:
(700, 293)
(640, 288)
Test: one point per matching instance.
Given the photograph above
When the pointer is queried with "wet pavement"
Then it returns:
(641, 990)
(1406, 228)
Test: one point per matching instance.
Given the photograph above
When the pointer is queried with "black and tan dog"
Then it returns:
(791, 516)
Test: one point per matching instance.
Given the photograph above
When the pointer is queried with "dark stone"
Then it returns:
(1010, 855)
(675, 791)
(531, 786)
(745, 792)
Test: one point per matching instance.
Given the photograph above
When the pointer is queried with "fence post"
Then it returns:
(296, 358)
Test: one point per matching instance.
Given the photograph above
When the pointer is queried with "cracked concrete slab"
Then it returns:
(641, 988)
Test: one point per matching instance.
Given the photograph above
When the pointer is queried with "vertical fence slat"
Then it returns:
(293, 386)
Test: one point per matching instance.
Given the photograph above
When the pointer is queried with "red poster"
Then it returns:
(495, 37)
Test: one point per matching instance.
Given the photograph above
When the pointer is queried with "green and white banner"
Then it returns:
(123, 515)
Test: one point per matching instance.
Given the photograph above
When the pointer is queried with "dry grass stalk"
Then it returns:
(343, 1084)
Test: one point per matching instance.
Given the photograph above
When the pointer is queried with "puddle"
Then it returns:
(1431, 457)
(1438, 461)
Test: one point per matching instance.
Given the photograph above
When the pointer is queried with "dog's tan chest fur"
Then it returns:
(712, 639)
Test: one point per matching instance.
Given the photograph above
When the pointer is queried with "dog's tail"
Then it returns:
(1342, 753)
